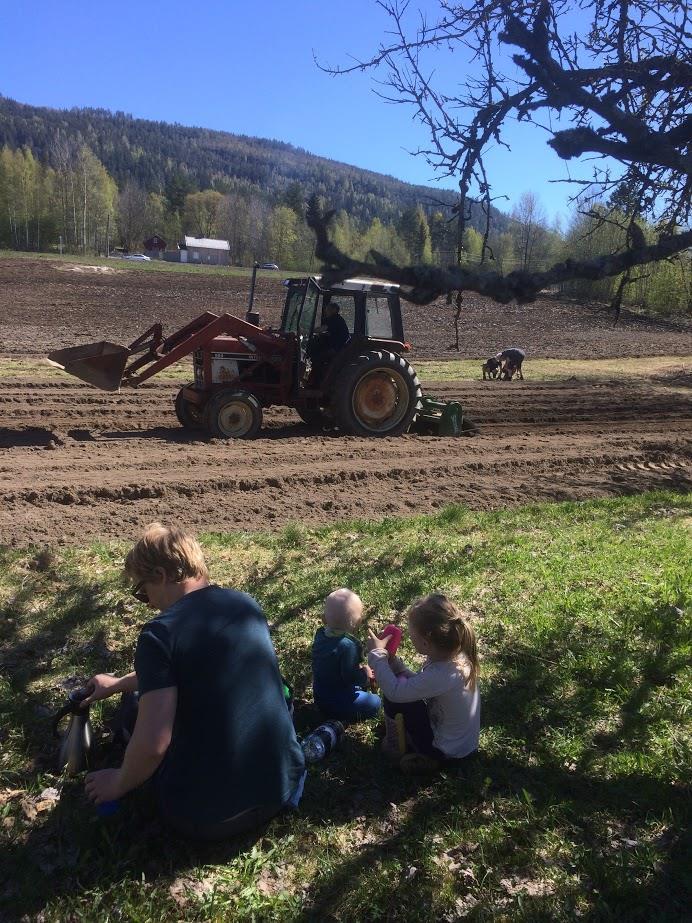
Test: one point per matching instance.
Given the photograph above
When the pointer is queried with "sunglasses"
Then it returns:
(140, 594)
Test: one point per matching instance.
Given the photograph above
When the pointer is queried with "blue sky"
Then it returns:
(244, 67)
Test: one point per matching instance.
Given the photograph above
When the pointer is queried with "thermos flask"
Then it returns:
(75, 741)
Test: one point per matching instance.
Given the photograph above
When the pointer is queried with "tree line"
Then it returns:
(77, 205)
(73, 200)
(173, 160)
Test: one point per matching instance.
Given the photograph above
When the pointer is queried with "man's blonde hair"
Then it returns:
(176, 551)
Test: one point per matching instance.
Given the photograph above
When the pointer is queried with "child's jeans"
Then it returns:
(350, 705)
(419, 729)
(417, 724)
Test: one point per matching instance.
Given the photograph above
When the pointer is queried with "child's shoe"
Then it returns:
(417, 764)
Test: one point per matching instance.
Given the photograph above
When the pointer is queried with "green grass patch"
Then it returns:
(557, 369)
(428, 370)
(576, 808)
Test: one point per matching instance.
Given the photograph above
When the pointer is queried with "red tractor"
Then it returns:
(365, 388)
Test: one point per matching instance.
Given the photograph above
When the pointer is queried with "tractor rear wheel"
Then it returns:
(233, 414)
(189, 415)
(378, 394)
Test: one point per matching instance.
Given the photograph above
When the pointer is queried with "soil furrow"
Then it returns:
(77, 464)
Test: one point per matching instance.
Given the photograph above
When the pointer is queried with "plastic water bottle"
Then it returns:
(322, 741)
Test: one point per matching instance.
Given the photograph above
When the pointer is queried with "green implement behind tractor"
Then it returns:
(442, 418)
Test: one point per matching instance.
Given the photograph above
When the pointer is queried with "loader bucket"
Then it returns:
(99, 364)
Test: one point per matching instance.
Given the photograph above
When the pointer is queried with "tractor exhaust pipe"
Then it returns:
(252, 317)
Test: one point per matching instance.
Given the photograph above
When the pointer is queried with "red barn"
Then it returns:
(154, 246)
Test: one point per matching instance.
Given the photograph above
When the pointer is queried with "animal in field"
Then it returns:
(491, 368)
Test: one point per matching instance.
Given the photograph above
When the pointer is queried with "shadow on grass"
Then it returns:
(75, 851)
(521, 789)
(579, 801)
(404, 849)
(582, 807)
(28, 653)
(413, 580)
(33, 639)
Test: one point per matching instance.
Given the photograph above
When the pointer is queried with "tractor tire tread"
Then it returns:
(187, 418)
(348, 379)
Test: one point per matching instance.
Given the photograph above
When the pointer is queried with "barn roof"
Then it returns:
(207, 243)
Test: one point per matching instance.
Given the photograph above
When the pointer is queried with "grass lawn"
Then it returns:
(36, 369)
(578, 804)
(557, 369)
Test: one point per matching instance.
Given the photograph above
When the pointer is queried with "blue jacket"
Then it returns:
(336, 664)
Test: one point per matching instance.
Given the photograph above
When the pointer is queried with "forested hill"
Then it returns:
(158, 154)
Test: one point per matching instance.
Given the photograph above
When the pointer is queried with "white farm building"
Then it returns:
(206, 250)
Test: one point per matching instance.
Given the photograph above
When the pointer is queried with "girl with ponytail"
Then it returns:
(440, 704)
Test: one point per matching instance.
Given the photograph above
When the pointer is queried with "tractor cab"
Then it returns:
(371, 312)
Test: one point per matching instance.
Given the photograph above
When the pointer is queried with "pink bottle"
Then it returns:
(394, 634)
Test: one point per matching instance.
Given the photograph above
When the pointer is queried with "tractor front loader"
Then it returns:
(366, 388)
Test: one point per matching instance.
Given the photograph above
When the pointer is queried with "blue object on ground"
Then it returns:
(107, 808)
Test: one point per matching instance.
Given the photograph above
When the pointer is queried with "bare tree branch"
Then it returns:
(423, 284)
(622, 82)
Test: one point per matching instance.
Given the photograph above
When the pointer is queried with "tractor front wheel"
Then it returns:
(378, 394)
(232, 414)
(189, 415)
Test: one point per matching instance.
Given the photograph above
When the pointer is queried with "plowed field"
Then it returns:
(76, 463)
(45, 305)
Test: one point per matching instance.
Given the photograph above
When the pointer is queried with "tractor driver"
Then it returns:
(329, 339)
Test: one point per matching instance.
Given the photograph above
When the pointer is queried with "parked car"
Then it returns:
(138, 257)
(268, 266)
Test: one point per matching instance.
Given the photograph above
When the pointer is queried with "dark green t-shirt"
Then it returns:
(233, 746)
